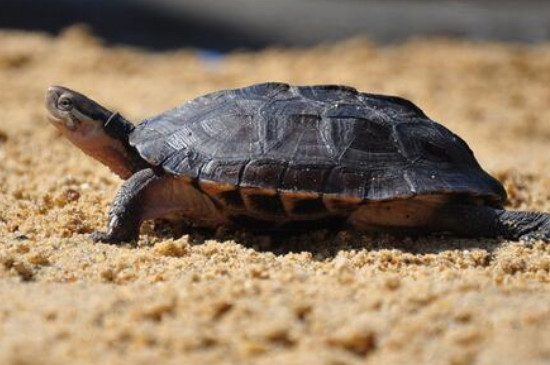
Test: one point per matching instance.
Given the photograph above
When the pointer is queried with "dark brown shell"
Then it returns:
(317, 140)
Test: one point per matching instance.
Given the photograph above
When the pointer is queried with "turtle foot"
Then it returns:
(536, 236)
(104, 237)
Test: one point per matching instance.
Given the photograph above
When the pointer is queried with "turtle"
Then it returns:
(274, 156)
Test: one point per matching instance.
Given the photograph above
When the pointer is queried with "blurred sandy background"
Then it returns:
(321, 298)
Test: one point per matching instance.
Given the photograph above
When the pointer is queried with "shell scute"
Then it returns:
(304, 177)
(222, 171)
(328, 93)
(188, 164)
(263, 202)
(347, 181)
(262, 173)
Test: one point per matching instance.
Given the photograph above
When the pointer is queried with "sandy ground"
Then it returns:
(321, 298)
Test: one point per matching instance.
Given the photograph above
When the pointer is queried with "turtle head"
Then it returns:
(74, 114)
(94, 129)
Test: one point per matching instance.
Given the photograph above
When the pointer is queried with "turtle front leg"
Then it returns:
(128, 209)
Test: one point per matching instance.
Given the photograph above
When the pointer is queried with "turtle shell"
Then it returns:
(313, 140)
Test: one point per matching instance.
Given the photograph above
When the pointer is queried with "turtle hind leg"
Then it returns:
(127, 211)
(523, 225)
(462, 220)
(484, 221)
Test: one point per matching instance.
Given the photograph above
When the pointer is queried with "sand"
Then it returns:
(319, 298)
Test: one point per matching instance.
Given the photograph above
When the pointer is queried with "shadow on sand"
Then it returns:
(326, 243)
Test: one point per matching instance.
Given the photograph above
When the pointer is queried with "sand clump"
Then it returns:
(228, 298)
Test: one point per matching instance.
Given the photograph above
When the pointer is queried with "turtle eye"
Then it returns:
(65, 103)
(437, 152)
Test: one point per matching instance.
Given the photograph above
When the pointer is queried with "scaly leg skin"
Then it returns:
(126, 212)
(467, 221)
(525, 226)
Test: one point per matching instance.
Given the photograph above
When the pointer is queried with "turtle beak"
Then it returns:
(52, 96)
